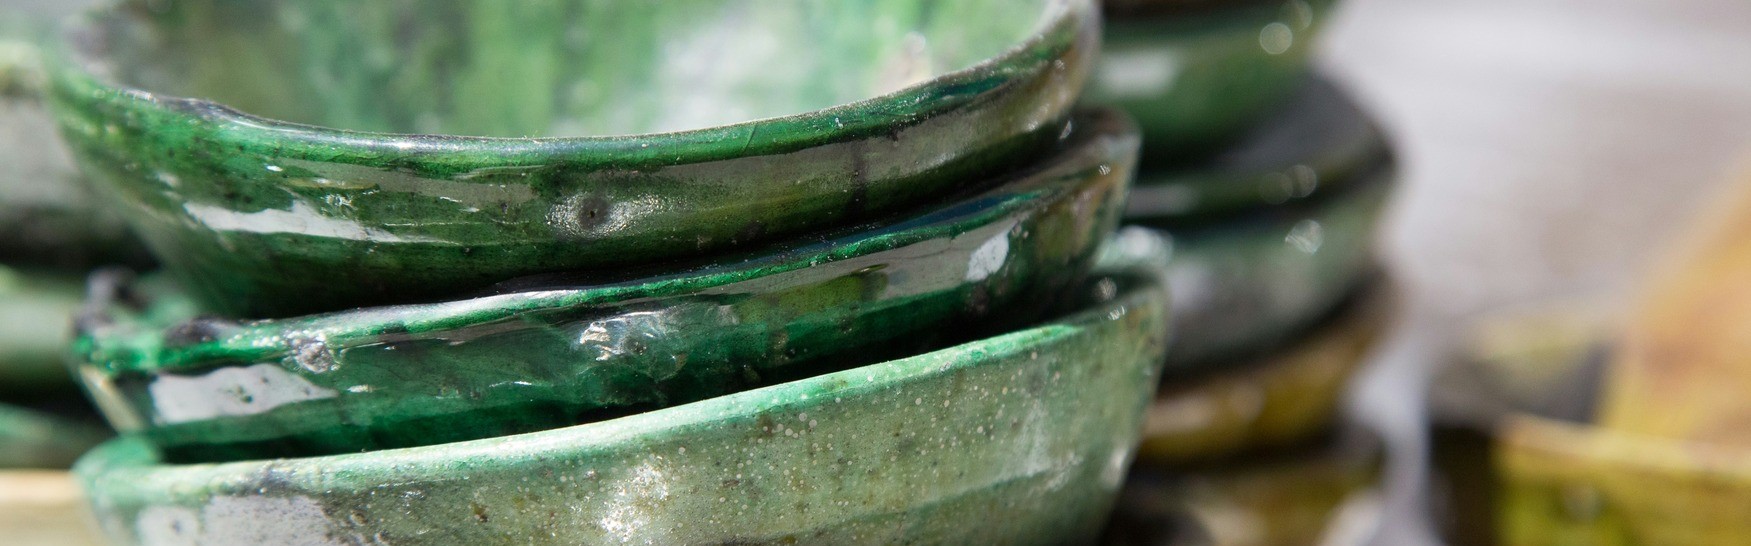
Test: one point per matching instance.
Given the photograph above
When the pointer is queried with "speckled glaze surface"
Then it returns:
(369, 194)
(1196, 81)
(36, 322)
(34, 439)
(1244, 285)
(1033, 428)
(1278, 400)
(551, 353)
(1319, 142)
(1324, 493)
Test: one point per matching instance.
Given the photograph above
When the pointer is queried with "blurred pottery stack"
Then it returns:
(847, 274)
(1268, 182)
(1566, 424)
(52, 237)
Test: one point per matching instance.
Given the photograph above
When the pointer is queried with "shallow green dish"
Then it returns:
(36, 322)
(1319, 142)
(1033, 428)
(35, 439)
(1196, 81)
(1243, 286)
(550, 353)
(367, 192)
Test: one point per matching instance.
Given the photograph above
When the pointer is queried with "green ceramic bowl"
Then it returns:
(1196, 81)
(331, 155)
(1317, 144)
(36, 439)
(36, 322)
(1245, 285)
(550, 353)
(1033, 429)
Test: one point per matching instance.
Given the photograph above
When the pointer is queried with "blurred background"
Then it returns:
(1553, 150)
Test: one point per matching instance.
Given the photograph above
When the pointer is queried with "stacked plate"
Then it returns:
(1268, 183)
(840, 272)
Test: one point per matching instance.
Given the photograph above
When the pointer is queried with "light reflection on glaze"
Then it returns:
(1023, 428)
(554, 352)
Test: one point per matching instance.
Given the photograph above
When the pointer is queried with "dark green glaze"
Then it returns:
(1031, 429)
(33, 439)
(1323, 493)
(1196, 81)
(1277, 400)
(36, 321)
(783, 117)
(553, 353)
(1318, 143)
(1244, 285)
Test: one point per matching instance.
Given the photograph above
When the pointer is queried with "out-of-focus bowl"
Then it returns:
(36, 439)
(36, 322)
(1280, 399)
(1322, 493)
(331, 155)
(1034, 429)
(1196, 81)
(550, 353)
(1245, 285)
(1319, 143)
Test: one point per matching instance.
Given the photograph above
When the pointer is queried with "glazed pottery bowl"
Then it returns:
(1244, 285)
(1034, 428)
(1324, 492)
(1280, 399)
(284, 157)
(36, 322)
(1195, 81)
(1319, 142)
(551, 352)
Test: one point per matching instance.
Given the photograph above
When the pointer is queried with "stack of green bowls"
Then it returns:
(1268, 181)
(593, 271)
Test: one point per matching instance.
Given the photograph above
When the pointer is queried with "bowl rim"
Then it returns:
(1141, 291)
(1101, 139)
(1060, 26)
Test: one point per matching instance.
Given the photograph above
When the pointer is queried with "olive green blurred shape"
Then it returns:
(1196, 81)
(1318, 493)
(1277, 400)
(332, 154)
(36, 322)
(1033, 429)
(34, 439)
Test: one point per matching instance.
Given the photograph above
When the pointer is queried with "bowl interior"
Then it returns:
(550, 68)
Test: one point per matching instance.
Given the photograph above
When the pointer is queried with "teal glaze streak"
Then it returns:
(1033, 429)
(272, 218)
(552, 353)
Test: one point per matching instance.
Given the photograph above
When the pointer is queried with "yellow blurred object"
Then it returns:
(1683, 367)
(43, 508)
